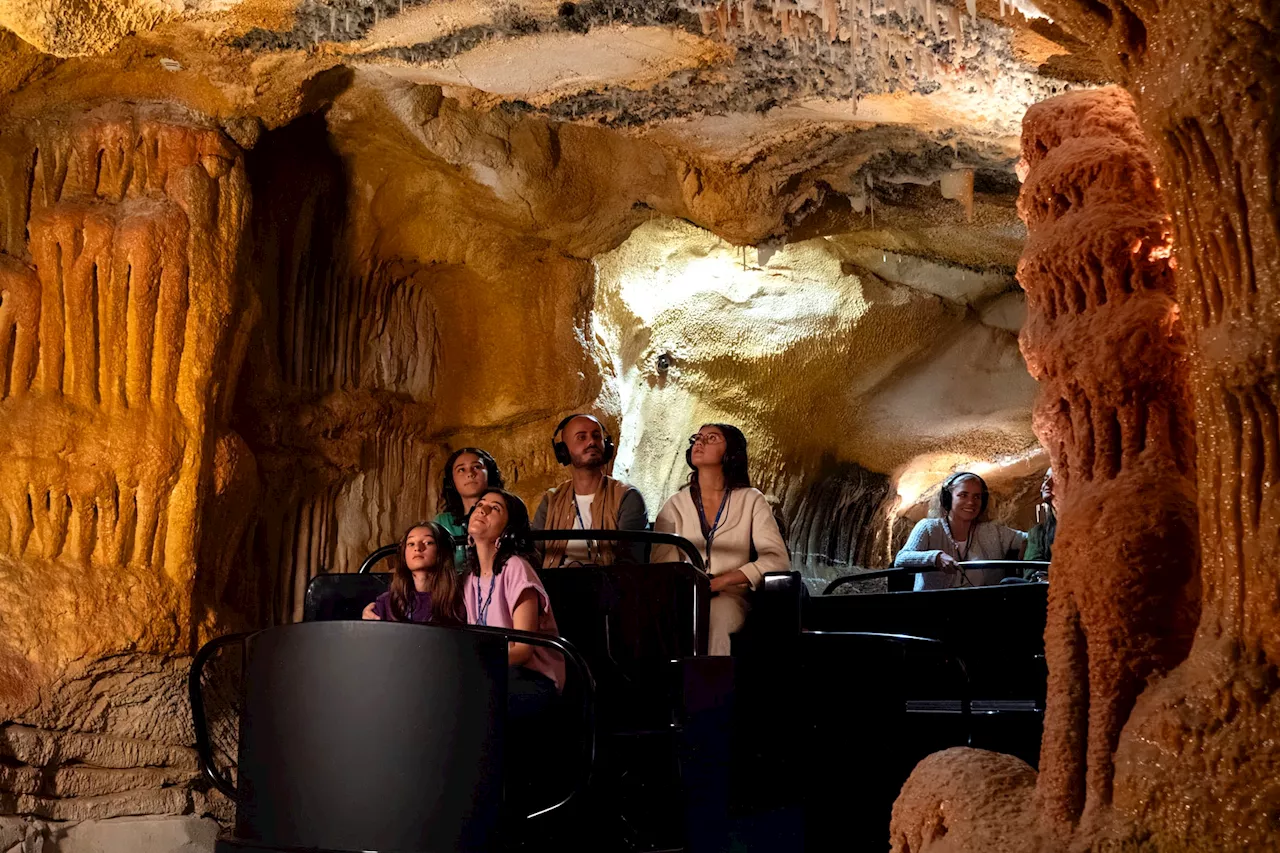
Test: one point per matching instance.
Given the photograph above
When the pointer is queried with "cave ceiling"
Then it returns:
(827, 106)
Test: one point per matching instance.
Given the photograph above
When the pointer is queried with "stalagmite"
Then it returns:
(1105, 339)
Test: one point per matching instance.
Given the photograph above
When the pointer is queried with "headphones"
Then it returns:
(726, 461)
(562, 450)
(944, 496)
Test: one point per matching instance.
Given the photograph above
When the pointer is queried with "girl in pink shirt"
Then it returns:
(501, 590)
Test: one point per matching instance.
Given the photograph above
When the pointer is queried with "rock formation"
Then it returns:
(1104, 338)
(1194, 766)
(701, 333)
(121, 335)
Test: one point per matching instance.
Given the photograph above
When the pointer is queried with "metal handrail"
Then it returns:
(204, 746)
(696, 565)
(376, 557)
(649, 536)
(845, 580)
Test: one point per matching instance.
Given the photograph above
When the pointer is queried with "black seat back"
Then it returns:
(630, 622)
(341, 596)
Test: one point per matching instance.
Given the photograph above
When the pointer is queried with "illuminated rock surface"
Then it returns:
(263, 264)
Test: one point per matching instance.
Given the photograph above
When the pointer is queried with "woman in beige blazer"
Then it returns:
(728, 521)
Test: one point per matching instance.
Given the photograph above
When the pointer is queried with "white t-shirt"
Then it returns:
(576, 550)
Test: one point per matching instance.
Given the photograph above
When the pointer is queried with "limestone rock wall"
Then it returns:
(842, 378)
(121, 230)
(1191, 766)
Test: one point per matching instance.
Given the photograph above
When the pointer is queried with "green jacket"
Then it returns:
(1040, 542)
(459, 534)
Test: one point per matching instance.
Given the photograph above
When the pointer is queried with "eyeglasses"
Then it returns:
(705, 438)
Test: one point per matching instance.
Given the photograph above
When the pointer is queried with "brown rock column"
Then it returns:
(1197, 765)
(119, 260)
(1104, 339)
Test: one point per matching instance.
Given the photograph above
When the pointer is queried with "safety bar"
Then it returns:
(204, 748)
(376, 557)
(649, 536)
(846, 580)
(701, 633)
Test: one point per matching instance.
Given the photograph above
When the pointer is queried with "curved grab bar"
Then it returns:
(650, 536)
(376, 557)
(845, 580)
(547, 535)
(575, 657)
(204, 748)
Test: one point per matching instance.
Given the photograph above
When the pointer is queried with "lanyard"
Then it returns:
(963, 555)
(582, 525)
(482, 610)
(710, 533)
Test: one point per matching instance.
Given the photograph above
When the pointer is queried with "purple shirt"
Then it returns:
(420, 609)
(516, 576)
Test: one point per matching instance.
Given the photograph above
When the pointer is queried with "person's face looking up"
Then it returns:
(470, 476)
(966, 499)
(708, 446)
(585, 441)
(1046, 489)
(420, 549)
(488, 518)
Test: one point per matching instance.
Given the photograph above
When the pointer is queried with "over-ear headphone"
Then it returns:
(562, 450)
(944, 496)
(727, 461)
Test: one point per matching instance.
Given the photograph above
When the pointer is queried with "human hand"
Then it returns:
(947, 563)
(368, 613)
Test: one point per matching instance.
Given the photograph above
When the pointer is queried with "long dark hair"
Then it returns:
(450, 500)
(733, 463)
(515, 540)
(446, 593)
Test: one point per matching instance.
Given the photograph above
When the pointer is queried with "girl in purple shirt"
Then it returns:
(424, 583)
(502, 590)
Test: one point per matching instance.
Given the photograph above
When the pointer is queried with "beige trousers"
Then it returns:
(728, 614)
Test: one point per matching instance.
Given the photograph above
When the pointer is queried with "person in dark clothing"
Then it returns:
(424, 583)
(1040, 537)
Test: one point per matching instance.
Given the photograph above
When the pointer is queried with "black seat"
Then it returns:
(342, 595)
(631, 622)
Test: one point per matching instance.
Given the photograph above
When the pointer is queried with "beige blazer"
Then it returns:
(747, 520)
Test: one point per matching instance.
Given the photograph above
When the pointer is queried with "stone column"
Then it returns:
(120, 246)
(1105, 340)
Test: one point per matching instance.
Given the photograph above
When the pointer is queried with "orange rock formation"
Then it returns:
(1105, 340)
(1195, 763)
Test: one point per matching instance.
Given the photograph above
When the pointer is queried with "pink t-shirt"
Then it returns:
(497, 599)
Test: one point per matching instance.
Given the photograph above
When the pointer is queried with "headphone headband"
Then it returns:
(944, 494)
